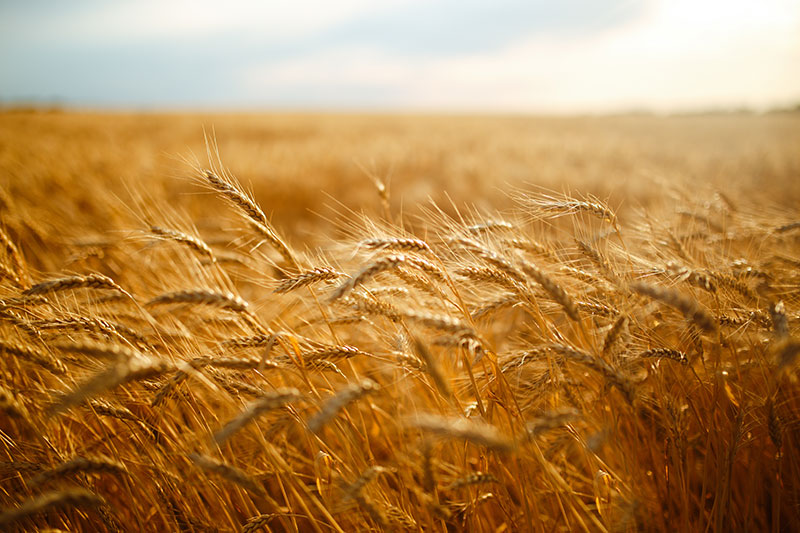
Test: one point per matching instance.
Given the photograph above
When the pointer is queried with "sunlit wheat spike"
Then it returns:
(99, 349)
(582, 275)
(91, 324)
(309, 277)
(440, 322)
(419, 282)
(615, 334)
(397, 244)
(268, 234)
(490, 275)
(12, 252)
(490, 257)
(339, 401)
(599, 260)
(80, 465)
(594, 308)
(23, 303)
(191, 242)
(33, 355)
(390, 262)
(117, 374)
(556, 292)
(104, 408)
(689, 308)
(479, 434)
(228, 188)
(51, 500)
(400, 519)
(494, 305)
(567, 205)
(518, 359)
(268, 402)
(334, 353)
(225, 300)
(241, 363)
(696, 278)
(236, 196)
(91, 281)
(372, 306)
(409, 361)
(7, 273)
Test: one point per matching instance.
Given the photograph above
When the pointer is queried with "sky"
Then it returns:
(540, 56)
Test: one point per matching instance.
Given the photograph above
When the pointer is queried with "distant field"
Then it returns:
(322, 322)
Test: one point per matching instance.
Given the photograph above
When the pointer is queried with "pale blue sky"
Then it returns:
(503, 55)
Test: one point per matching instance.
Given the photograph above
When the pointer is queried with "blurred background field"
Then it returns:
(76, 169)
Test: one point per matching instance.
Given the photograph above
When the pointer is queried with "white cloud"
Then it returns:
(679, 55)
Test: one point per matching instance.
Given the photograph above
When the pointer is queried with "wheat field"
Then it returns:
(330, 322)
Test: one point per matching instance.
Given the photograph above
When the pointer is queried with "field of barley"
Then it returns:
(332, 322)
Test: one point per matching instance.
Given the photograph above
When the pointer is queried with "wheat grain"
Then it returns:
(91, 281)
(339, 401)
(397, 245)
(268, 402)
(119, 373)
(690, 309)
(33, 355)
(51, 500)
(553, 289)
(201, 297)
(191, 242)
(615, 334)
(309, 277)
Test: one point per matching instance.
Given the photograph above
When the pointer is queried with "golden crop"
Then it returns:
(349, 323)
